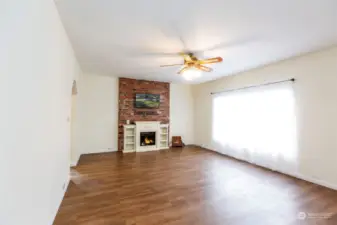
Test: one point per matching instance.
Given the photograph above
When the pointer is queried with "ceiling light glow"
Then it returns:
(191, 74)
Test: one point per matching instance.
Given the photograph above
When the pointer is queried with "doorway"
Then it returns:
(73, 154)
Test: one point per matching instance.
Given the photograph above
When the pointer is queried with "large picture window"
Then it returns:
(257, 125)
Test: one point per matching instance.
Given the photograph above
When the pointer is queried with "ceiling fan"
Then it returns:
(192, 62)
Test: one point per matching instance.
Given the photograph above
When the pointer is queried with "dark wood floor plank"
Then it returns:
(189, 186)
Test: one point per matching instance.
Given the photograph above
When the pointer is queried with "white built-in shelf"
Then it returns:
(129, 138)
(131, 135)
(164, 131)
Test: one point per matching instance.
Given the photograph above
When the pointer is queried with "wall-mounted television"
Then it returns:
(147, 101)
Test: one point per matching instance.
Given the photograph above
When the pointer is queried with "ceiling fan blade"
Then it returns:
(179, 32)
(204, 68)
(187, 57)
(211, 60)
(183, 70)
(183, 43)
(228, 44)
(171, 65)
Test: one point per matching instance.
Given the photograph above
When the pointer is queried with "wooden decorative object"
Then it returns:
(177, 142)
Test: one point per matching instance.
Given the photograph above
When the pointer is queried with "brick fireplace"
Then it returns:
(128, 88)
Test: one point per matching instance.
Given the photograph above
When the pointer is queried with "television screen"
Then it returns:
(148, 101)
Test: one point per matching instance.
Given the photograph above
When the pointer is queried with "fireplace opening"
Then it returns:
(147, 138)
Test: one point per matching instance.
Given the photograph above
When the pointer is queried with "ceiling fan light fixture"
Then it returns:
(192, 66)
(191, 74)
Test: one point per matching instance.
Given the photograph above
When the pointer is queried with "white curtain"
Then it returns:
(257, 125)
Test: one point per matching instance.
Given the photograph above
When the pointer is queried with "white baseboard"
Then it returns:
(60, 201)
(298, 176)
(66, 186)
(99, 151)
(128, 151)
(316, 181)
(106, 150)
(74, 163)
(309, 179)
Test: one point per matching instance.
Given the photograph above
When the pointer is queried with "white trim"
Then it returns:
(61, 199)
(106, 150)
(103, 150)
(129, 125)
(147, 126)
(316, 181)
(298, 176)
(128, 151)
(74, 163)
(132, 136)
(67, 184)
(113, 151)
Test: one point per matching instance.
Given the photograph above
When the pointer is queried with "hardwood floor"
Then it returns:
(189, 186)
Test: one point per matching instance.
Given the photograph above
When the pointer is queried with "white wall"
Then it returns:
(181, 112)
(37, 66)
(97, 114)
(316, 99)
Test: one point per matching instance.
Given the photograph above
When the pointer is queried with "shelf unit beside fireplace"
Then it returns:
(129, 138)
(164, 136)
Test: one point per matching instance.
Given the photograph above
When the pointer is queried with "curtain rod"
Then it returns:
(282, 81)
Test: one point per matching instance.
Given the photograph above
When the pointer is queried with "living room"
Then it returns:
(178, 112)
(103, 100)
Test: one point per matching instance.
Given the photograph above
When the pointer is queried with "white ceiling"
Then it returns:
(131, 38)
